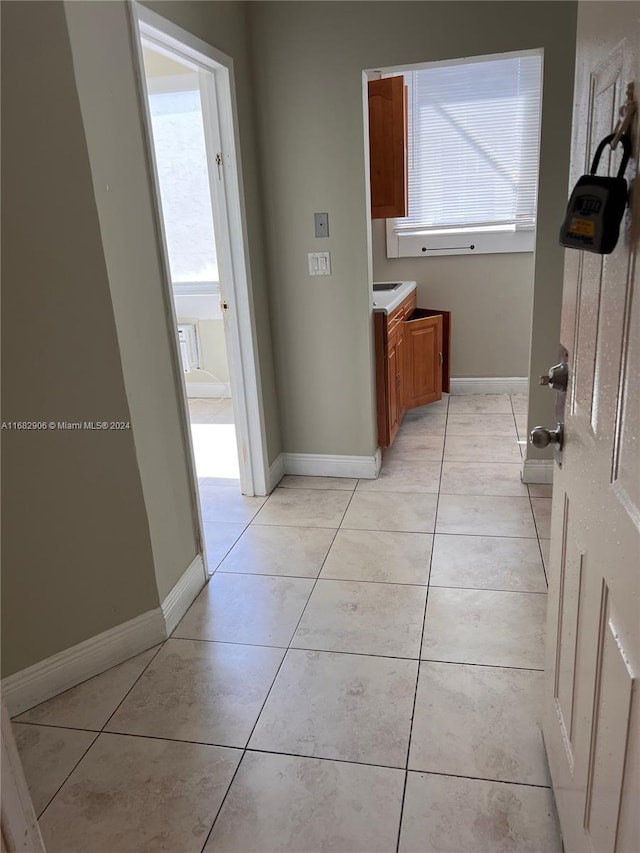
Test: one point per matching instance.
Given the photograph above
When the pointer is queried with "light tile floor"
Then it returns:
(213, 434)
(362, 673)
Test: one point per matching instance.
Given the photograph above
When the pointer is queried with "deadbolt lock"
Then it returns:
(557, 377)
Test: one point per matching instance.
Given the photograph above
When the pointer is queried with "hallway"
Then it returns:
(347, 681)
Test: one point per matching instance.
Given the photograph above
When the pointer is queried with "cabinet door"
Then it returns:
(423, 359)
(388, 147)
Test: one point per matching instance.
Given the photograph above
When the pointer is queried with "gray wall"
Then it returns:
(106, 80)
(309, 58)
(491, 297)
(95, 534)
(76, 550)
(99, 526)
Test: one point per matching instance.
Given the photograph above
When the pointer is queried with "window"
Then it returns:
(474, 132)
(183, 177)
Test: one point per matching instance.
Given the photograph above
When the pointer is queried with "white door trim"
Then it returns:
(20, 830)
(241, 328)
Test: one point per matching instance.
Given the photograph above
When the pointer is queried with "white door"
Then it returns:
(592, 707)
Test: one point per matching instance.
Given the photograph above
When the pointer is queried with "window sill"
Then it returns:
(471, 243)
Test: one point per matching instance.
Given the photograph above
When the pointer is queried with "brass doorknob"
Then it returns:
(542, 437)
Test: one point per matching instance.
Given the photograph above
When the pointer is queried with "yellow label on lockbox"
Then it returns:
(583, 226)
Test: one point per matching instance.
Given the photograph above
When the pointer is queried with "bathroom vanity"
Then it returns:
(412, 354)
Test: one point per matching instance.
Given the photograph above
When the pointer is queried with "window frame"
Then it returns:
(466, 241)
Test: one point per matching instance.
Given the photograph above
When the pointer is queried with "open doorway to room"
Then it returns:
(190, 116)
(454, 158)
(177, 97)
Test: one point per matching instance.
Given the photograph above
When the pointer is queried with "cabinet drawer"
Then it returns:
(401, 313)
(394, 320)
(410, 304)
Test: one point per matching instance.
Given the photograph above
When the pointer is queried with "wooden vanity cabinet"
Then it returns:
(412, 362)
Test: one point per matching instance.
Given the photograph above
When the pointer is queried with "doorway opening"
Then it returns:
(453, 168)
(178, 96)
(189, 112)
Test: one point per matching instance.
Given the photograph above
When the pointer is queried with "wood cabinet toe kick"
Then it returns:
(412, 362)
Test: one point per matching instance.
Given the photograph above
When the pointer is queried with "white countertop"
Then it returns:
(388, 300)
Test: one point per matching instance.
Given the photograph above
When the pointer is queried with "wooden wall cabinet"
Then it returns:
(412, 362)
(388, 147)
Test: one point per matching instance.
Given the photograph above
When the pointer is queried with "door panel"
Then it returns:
(608, 748)
(626, 458)
(570, 580)
(591, 712)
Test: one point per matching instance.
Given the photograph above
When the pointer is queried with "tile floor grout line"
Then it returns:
(490, 589)
(222, 802)
(482, 779)
(210, 574)
(80, 683)
(266, 699)
(353, 654)
(149, 662)
(535, 523)
(383, 583)
(318, 577)
(66, 779)
(488, 665)
(489, 535)
(424, 622)
(55, 726)
(265, 751)
(539, 538)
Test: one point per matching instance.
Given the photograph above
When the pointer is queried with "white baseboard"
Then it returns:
(61, 671)
(537, 471)
(276, 472)
(51, 676)
(208, 389)
(326, 465)
(490, 385)
(183, 594)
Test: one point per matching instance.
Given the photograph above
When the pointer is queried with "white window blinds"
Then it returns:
(473, 146)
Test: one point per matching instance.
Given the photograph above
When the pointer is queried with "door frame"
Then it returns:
(240, 328)
(19, 824)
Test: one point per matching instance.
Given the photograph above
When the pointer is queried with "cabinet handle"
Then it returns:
(440, 359)
(397, 380)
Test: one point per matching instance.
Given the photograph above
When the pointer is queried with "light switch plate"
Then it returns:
(319, 263)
